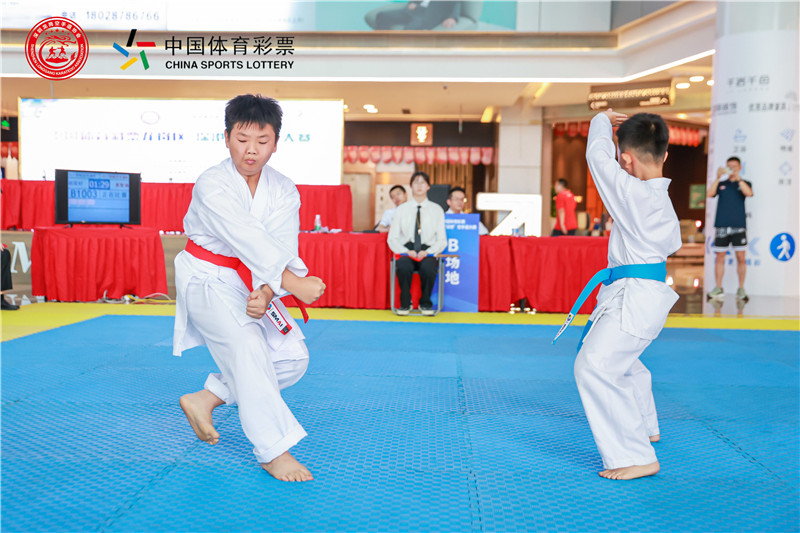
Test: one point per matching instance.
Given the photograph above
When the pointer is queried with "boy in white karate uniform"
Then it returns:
(614, 385)
(242, 255)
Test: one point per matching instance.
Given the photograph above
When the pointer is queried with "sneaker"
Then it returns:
(403, 311)
(716, 294)
(427, 310)
(741, 295)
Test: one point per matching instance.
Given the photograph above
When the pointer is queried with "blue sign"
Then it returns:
(461, 263)
(782, 247)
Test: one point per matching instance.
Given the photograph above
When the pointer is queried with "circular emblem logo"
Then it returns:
(56, 48)
(782, 247)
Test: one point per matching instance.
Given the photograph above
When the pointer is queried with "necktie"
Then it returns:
(418, 232)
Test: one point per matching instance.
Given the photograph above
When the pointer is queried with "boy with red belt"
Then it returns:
(242, 256)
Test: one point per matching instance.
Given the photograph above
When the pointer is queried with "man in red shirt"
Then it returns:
(566, 223)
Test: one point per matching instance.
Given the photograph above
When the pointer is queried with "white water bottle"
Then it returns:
(317, 223)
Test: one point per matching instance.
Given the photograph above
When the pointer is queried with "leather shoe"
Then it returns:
(7, 306)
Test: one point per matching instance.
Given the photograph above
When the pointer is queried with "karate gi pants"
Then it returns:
(251, 374)
(616, 391)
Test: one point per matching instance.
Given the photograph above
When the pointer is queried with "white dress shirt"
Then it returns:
(388, 216)
(431, 223)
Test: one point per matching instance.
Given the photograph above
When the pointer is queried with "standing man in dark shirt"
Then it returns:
(730, 223)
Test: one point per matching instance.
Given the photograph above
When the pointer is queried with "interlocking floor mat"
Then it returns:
(412, 427)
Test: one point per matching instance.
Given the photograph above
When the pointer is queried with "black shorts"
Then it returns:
(735, 237)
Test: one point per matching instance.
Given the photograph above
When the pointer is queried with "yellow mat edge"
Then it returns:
(40, 317)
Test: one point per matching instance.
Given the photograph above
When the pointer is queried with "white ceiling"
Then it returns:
(424, 100)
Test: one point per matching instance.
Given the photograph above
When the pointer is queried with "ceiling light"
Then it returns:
(710, 83)
(683, 85)
(682, 116)
(695, 79)
(346, 107)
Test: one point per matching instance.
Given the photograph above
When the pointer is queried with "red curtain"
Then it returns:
(27, 204)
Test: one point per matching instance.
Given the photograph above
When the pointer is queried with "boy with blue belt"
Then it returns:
(633, 304)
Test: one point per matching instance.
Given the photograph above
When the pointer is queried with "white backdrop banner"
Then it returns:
(754, 116)
(170, 140)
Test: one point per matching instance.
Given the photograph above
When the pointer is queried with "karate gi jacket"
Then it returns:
(259, 230)
(646, 230)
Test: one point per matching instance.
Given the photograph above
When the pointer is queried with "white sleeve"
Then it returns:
(613, 184)
(441, 234)
(386, 219)
(396, 240)
(284, 226)
(257, 246)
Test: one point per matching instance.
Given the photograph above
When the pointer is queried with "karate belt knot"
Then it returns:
(274, 315)
(607, 276)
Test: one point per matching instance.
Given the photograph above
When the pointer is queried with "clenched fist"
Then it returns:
(258, 301)
(308, 289)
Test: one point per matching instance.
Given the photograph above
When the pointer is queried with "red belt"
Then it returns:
(240, 268)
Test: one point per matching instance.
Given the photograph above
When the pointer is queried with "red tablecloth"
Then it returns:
(498, 282)
(549, 272)
(80, 264)
(552, 271)
(27, 204)
(354, 267)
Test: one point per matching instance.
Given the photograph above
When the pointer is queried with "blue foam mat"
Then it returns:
(412, 427)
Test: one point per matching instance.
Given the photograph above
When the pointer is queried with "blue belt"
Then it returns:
(607, 276)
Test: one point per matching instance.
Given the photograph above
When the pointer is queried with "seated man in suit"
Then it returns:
(418, 230)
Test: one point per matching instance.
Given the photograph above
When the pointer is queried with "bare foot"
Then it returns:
(655, 438)
(631, 472)
(198, 408)
(287, 468)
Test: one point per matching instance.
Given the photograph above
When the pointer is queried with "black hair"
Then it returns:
(455, 189)
(253, 109)
(734, 158)
(397, 187)
(645, 133)
(419, 173)
(564, 183)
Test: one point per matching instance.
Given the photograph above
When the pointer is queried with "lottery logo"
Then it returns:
(56, 48)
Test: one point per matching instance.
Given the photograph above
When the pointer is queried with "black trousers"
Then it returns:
(559, 233)
(405, 268)
(5, 275)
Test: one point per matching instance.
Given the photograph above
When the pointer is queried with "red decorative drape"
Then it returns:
(419, 154)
